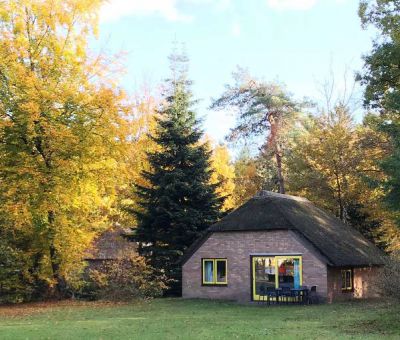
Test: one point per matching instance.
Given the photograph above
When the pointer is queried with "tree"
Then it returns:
(223, 176)
(330, 163)
(61, 134)
(142, 126)
(179, 203)
(381, 76)
(324, 160)
(263, 109)
(247, 180)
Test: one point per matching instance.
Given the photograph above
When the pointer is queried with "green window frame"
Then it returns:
(214, 271)
(347, 280)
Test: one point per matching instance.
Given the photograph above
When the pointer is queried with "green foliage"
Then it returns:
(264, 110)
(124, 279)
(358, 217)
(179, 203)
(381, 72)
(15, 280)
(381, 76)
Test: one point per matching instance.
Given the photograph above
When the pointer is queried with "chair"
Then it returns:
(286, 293)
(272, 293)
(303, 294)
(313, 296)
(263, 293)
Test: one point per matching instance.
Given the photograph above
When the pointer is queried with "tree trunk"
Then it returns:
(274, 143)
(281, 180)
(340, 200)
(54, 261)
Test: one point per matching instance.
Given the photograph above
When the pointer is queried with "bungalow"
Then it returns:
(276, 240)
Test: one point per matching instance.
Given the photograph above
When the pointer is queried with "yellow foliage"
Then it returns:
(64, 131)
(223, 175)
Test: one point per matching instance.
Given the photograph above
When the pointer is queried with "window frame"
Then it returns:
(344, 286)
(214, 261)
(254, 257)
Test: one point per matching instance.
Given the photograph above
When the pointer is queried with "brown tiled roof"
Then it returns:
(342, 245)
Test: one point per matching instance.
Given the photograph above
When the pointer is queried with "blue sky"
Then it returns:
(296, 42)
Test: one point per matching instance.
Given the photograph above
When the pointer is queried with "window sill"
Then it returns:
(214, 284)
(348, 290)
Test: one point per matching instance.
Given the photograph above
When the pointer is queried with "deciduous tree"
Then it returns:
(61, 133)
(381, 76)
(223, 175)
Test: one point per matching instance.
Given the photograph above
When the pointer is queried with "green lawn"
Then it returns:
(197, 319)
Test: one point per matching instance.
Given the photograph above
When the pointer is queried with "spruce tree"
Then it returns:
(179, 203)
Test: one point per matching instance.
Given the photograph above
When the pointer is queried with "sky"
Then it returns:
(297, 42)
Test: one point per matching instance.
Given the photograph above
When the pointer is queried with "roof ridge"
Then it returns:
(266, 193)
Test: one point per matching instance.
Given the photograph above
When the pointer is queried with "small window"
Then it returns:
(347, 279)
(214, 271)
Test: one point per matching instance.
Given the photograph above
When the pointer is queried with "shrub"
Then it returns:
(389, 281)
(125, 279)
(15, 285)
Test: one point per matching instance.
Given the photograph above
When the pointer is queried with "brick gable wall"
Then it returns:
(237, 248)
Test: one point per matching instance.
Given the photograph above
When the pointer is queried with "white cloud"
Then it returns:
(291, 4)
(168, 9)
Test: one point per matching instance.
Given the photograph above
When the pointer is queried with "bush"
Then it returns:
(125, 279)
(389, 281)
(15, 285)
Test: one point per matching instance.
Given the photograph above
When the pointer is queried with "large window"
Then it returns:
(215, 271)
(271, 272)
(347, 280)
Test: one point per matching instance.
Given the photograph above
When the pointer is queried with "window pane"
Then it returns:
(286, 271)
(348, 279)
(221, 271)
(208, 271)
(264, 270)
(343, 279)
(296, 273)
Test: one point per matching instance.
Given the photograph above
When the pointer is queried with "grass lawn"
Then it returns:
(197, 319)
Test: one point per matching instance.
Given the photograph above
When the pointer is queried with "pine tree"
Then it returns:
(179, 203)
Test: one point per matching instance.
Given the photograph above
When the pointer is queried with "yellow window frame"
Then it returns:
(343, 274)
(214, 262)
(276, 259)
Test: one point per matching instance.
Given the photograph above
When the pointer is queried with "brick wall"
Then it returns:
(363, 280)
(237, 248)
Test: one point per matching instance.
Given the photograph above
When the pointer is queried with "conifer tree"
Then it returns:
(179, 203)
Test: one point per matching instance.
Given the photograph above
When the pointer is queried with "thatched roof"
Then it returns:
(340, 244)
(110, 245)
